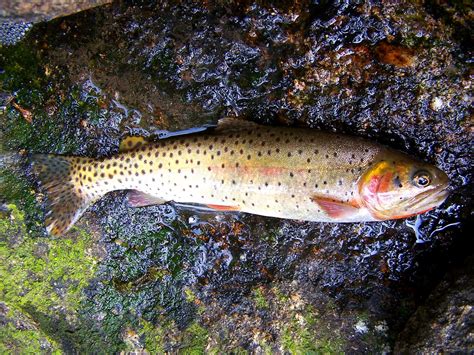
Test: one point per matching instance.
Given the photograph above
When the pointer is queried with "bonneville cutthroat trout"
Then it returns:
(281, 172)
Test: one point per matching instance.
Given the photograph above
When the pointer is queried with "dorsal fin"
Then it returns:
(227, 124)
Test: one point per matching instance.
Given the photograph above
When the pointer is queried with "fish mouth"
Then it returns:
(421, 203)
(429, 199)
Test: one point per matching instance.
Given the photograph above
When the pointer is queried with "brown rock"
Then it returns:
(398, 56)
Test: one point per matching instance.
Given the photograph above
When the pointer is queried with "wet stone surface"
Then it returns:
(166, 278)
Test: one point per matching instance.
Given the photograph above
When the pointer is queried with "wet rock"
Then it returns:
(17, 17)
(444, 323)
(33, 11)
(166, 278)
(13, 32)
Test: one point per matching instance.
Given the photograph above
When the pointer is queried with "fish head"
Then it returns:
(400, 187)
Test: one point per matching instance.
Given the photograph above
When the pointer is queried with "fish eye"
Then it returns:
(422, 178)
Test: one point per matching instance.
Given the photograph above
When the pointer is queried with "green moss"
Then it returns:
(189, 294)
(21, 70)
(281, 297)
(304, 335)
(192, 340)
(17, 190)
(25, 341)
(44, 277)
(259, 299)
(154, 337)
(195, 339)
(57, 107)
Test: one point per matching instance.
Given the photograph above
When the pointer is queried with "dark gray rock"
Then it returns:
(445, 322)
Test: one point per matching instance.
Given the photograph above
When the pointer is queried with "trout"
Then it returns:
(291, 173)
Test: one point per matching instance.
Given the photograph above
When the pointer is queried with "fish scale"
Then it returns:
(280, 172)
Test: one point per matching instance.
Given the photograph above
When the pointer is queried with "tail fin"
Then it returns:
(65, 200)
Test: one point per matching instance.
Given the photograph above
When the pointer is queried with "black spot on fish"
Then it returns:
(398, 182)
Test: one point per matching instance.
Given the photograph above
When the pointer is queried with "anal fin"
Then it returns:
(137, 198)
(224, 208)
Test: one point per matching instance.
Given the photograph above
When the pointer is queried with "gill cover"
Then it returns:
(377, 189)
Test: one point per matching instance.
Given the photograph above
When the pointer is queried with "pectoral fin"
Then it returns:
(137, 198)
(335, 208)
